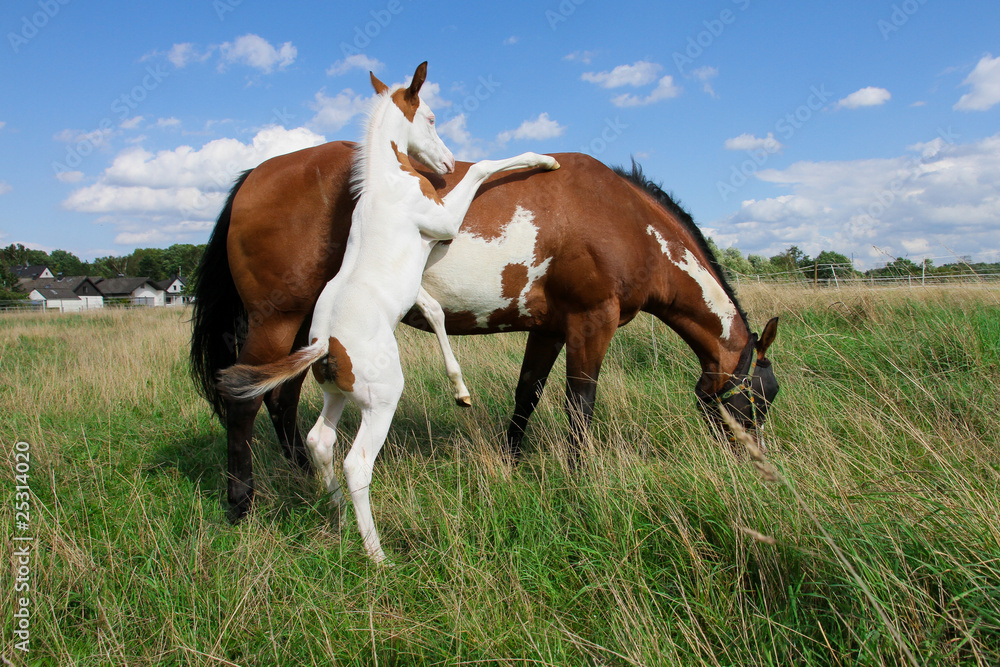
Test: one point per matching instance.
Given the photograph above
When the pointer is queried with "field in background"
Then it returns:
(886, 427)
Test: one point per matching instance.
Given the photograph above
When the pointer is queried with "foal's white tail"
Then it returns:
(243, 381)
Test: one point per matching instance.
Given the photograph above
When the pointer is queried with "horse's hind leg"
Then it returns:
(539, 355)
(283, 408)
(263, 344)
(239, 431)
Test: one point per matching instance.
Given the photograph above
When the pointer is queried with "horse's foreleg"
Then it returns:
(539, 355)
(434, 315)
(587, 339)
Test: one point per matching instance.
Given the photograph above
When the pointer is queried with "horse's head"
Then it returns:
(749, 391)
(423, 143)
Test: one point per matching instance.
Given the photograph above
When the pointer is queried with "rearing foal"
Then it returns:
(396, 222)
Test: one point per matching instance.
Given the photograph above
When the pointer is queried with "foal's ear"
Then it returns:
(419, 77)
(767, 337)
(379, 87)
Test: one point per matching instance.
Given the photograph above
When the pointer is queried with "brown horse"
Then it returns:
(569, 258)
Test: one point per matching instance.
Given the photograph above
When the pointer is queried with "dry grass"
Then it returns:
(665, 550)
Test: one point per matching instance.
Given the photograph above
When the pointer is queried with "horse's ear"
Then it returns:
(379, 87)
(419, 77)
(767, 337)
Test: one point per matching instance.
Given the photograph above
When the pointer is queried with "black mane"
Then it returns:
(656, 191)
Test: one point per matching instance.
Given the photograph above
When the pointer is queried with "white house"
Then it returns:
(172, 289)
(137, 291)
(63, 299)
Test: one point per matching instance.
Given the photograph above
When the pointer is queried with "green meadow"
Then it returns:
(869, 536)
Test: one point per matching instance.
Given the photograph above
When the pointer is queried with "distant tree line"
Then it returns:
(153, 263)
(828, 265)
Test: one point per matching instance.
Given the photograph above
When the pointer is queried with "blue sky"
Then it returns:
(870, 128)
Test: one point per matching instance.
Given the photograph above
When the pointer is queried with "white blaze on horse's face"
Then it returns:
(426, 146)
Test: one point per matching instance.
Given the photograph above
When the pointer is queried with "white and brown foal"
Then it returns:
(397, 221)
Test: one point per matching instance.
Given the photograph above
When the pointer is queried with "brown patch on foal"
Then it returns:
(425, 185)
(336, 367)
(405, 103)
(513, 280)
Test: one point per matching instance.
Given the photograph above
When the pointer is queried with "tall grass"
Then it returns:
(665, 549)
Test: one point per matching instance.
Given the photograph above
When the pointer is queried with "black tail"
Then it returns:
(220, 320)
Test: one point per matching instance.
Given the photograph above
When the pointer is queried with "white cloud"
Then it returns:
(255, 51)
(460, 140)
(357, 61)
(939, 197)
(131, 123)
(184, 182)
(985, 83)
(664, 90)
(3, 124)
(748, 142)
(866, 97)
(542, 127)
(168, 122)
(581, 56)
(5, 187)
(706, 74)
(510, 41)
(638, 74)
(182, 55)
(333, 113)
(69, 176)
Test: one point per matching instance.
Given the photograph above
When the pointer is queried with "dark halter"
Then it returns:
(743, 385)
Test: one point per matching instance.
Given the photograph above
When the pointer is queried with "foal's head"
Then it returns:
(422, 142)
(750, 390)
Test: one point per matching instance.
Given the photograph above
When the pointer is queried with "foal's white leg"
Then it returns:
(378, 395)
(434, 315)
(321, 440)
(457, 202)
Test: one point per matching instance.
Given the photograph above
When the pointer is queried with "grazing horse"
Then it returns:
(568, 258)
(398, 219)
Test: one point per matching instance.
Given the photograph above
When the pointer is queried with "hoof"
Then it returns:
(237, 513)
(555, 165)
(463, 402)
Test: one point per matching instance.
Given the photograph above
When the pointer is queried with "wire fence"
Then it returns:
(83, 306)
(844, 275)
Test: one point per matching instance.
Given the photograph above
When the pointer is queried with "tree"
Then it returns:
(791, 259)
(9, 285)
(830, 264)
(18, 255)
(66, 263)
